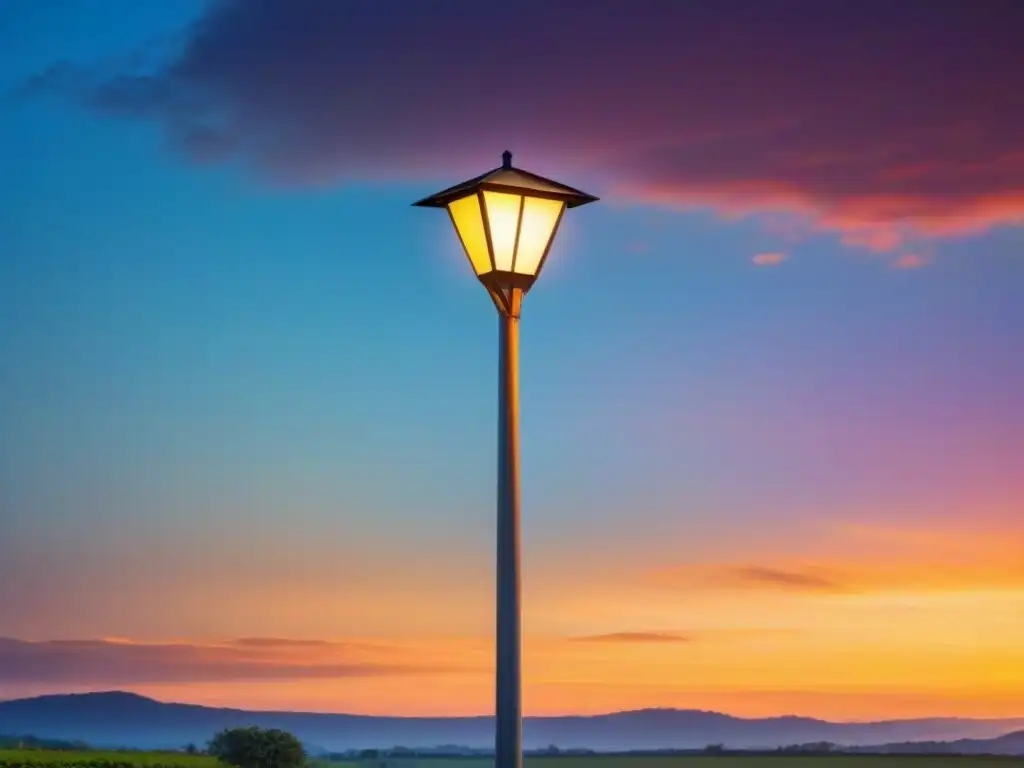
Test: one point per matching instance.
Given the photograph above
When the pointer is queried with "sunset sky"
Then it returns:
(772, 384)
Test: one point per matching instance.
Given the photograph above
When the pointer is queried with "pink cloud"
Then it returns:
(769, 259)
(878, 121)
(910, 261)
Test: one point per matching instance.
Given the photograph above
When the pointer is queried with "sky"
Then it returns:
(772, 383)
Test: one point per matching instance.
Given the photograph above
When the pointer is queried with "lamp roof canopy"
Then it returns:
(505, 178)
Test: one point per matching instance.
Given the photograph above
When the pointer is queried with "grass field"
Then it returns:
(721, 761)
(774, 761)
(45, 758)
(39, 758)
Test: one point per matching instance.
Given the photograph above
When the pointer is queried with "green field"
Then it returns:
(39, 758)
(719, 761)
(45, 758)
(774, 761)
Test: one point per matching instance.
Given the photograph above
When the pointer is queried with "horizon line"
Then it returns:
(118, 691)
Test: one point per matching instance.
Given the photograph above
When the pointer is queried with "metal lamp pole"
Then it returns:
(508, 741)
(506, 220)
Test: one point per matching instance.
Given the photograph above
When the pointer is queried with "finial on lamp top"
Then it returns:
(506, 159)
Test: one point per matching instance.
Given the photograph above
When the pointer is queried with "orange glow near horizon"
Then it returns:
(880, 632)
(858, 669)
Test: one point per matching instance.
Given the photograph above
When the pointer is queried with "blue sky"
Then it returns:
(206, 370)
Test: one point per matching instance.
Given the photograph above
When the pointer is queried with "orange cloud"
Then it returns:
(633, 637)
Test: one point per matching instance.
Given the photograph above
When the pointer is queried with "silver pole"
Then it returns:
(508, 738)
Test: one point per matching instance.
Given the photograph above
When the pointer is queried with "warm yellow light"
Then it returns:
(520, 227)
(506, 220)
(503, 218)
(539, 220)
(469, 223)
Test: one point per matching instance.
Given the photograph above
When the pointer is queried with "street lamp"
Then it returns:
(506, 220)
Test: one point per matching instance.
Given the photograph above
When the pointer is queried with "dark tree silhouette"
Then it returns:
(254, 747)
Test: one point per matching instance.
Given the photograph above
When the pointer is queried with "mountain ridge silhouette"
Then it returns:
(125, 719)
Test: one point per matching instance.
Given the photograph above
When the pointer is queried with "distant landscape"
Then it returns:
(125, 720)
(57, 759)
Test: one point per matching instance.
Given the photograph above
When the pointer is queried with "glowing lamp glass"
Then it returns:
(520, 229)
(536, 228)
(469, 223)
(503, 220)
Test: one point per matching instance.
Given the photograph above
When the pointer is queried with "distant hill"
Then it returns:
(1007, 744)
(119, 719)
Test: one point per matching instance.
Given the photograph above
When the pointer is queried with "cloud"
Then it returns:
(633, 637)
(714, 635)
(910, 261)
(126, 662)
(882, 122)
(279, 642)
(769, 259)
(896, 570)
(802, 581)
(786, 577)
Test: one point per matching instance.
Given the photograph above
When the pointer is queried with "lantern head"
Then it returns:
(506, 220)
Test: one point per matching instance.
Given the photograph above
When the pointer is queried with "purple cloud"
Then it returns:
(769, 259)
(110, 662)
(881, 121)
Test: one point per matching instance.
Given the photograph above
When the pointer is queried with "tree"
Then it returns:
(254, 747)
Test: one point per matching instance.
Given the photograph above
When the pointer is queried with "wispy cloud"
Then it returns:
(279, 642)
(867, 136)
(910, 261)
(126, 662)
(802, 581)
(799, 578)
(772, 259)
(921, 572)
(633, 637)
